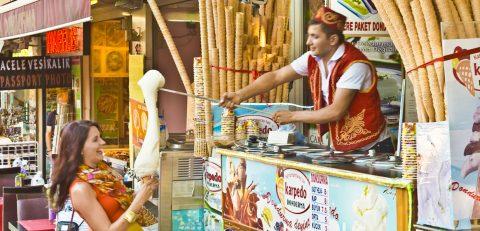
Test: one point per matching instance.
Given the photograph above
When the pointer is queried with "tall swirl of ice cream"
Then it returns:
(148, 158)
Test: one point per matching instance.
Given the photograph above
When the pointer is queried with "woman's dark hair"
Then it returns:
(72, 139)
(329, 31)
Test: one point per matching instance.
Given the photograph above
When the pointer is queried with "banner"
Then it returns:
(35, 72)
(463, 116)
(41, 15)
(139, 115)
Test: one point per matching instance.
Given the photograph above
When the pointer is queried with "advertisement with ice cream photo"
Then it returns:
(463, 109)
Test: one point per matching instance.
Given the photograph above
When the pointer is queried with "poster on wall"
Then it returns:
(135, 73)
(109, 49)
(109, 106)
(464, 123)
(433, 172)
(138, 112)
(362, 17)
(77, 86)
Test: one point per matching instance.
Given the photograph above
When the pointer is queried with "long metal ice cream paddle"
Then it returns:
(214, 101)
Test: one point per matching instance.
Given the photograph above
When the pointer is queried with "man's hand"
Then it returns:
(284, 117)
(229, 100)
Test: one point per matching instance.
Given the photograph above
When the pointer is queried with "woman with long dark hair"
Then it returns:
(97, 192)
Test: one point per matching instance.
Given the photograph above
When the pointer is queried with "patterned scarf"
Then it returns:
(108, 181)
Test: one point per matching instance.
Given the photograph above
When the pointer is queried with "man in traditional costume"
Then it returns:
(343, 84)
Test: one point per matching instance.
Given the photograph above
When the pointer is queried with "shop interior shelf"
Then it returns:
(23, 150)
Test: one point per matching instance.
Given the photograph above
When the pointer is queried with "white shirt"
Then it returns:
(358, 76)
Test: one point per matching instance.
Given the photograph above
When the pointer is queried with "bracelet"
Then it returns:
(130, 216)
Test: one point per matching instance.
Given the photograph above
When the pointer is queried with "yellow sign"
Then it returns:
(135, 73)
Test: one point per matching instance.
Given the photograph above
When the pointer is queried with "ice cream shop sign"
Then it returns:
(296, 200)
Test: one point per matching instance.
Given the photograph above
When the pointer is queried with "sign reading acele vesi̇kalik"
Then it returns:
(35, 72)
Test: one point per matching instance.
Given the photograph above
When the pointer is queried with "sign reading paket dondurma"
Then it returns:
(35, 72)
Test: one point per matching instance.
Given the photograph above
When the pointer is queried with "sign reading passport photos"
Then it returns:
(35, 72)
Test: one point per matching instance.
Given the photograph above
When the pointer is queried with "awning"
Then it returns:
(27, 17)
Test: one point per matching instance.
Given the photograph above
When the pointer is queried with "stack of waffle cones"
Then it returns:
(241, 131)
(200, 144)
(420, 21)
(252, 128)
(240, 41)
(228, 125)
(409, 151)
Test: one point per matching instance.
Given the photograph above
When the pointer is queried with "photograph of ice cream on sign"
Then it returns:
(471, 165)
(371, 209)
(433, 173)
(463, 122)
(239, 197)
(265, 197)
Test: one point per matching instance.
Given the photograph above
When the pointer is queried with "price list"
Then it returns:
(320, 202)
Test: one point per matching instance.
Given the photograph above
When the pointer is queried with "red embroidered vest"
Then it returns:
(364, 120)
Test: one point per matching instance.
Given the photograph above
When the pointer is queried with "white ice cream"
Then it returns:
(475, 137)
(148, 158)
(476, 115)
(371, 209)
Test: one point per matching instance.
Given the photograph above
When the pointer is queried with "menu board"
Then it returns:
(320, 201)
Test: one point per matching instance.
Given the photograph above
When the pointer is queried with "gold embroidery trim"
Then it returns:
(353, 127)
(352, 124)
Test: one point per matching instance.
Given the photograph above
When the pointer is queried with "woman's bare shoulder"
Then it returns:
(81, 190)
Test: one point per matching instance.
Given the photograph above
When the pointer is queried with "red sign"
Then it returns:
(63, 41)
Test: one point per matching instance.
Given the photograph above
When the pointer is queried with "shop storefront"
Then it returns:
(257, 185)
(41, 73)
(120, 50)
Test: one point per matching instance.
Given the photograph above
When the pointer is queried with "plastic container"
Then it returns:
(163, 132)
(37, 179)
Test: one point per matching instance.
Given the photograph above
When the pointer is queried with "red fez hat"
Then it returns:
(330, 18)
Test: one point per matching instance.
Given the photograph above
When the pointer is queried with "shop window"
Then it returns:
(109, 60)
(18, 115)
(111, 109)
